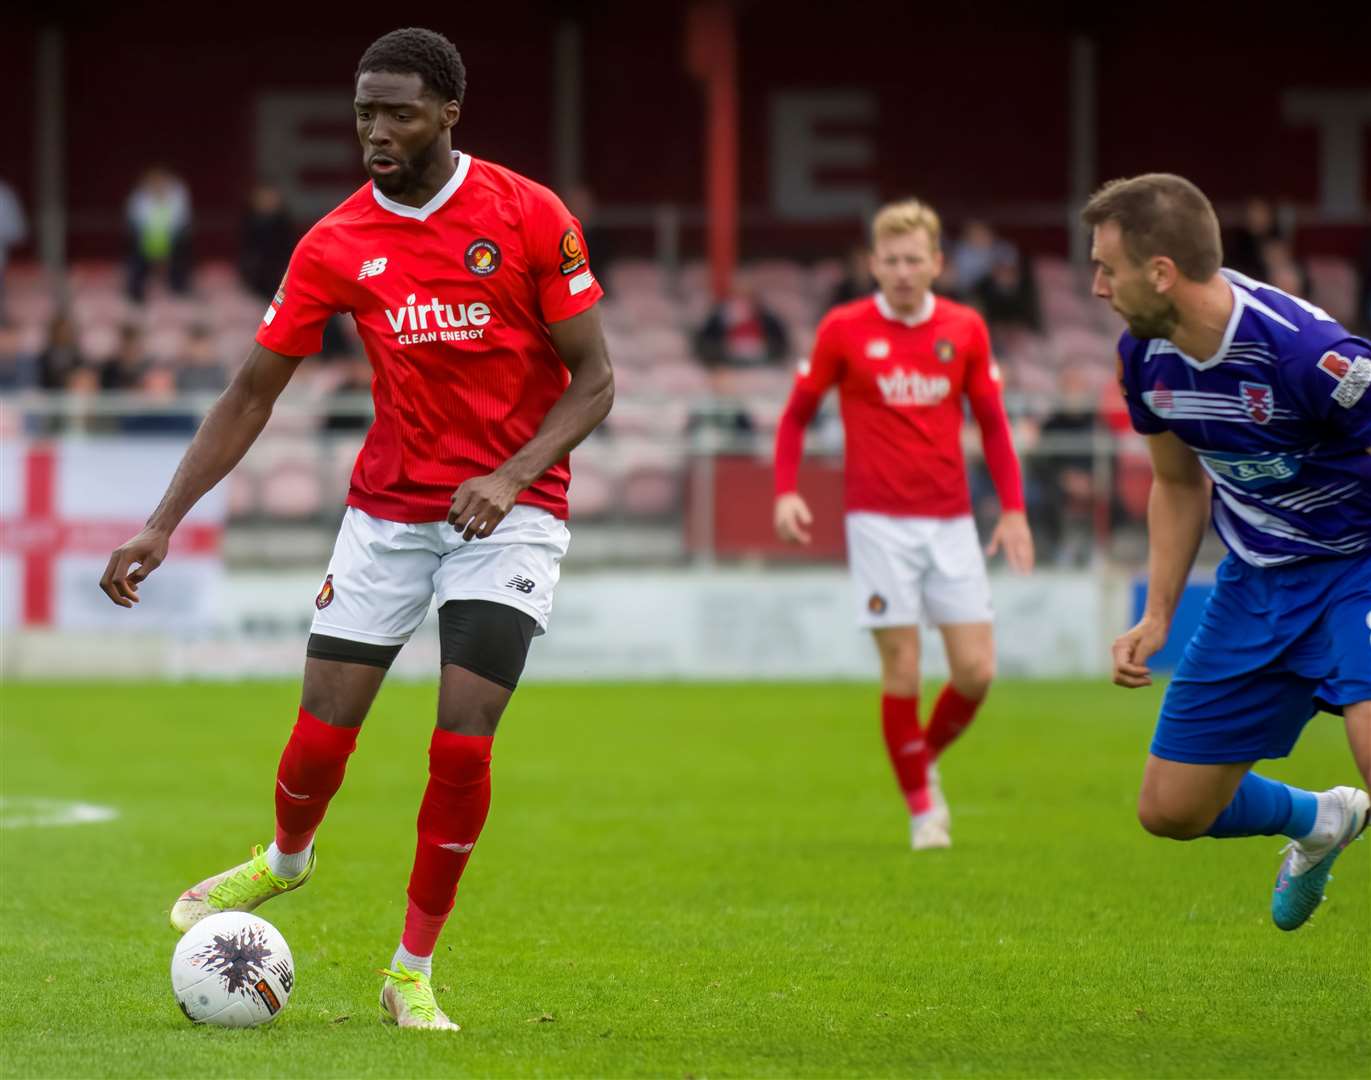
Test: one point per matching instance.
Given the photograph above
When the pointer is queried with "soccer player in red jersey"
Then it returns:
(903, 360)
(471, 292)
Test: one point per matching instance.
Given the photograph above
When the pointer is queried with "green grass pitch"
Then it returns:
(678, 881)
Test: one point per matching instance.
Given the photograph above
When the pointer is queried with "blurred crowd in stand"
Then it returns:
(166, 330)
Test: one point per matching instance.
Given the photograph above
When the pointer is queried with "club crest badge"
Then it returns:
(483, 257)
(325, 596)
(1258, 401)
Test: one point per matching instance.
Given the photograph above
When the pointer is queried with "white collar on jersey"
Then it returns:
(1241, 300)
(440, 197)
(919, 317)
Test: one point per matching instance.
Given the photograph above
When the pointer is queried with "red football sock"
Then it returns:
(951, 716)
(450, 819)
(908, 755)
(310, 774)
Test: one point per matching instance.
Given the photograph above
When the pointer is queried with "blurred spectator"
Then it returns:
(266, 240)
(201, 370)
(973, 257)
(16, 369)
(60, 355)
(124, 370)
(725, 413)
(1064, 470)
(1244, 250)
(741, 332)
(1282, 269)
(14, 230)
(335, 341)
(159, 232)
(158, 387)
(1008, 296)
(356, 386)
(80, 387)
(856, 281)
(599, 247)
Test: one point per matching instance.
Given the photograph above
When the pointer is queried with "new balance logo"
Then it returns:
(372, 268)
(523, 584)
(290, 794)
(461, 849)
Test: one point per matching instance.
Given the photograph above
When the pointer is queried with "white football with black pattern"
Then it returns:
(233, 969)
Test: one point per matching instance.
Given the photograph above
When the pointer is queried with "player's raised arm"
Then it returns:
(1177, 515)
(983, 391)
(482, 502)
(791, 514)
(230, 427)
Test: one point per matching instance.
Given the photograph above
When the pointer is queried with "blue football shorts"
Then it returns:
(1275, 645)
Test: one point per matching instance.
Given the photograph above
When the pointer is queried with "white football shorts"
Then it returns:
(384, 574)
(912, 570)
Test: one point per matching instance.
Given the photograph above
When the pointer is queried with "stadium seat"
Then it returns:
(166, 310)
(772, 383)
(774, 278)
(32, 309)
(291, 493)
(98, 340)
(1081, 345)
(678, 378)
(635, 277)
(652, 491)
(339, 458)
(824, 276)
(242, 493)
(648, 415)
(1057, 274)
(96, 273)
(31, 338)
(592, 492)
(217, 277)
(101, 306)
(166, 343)
(648, 310)
(1063, 307)
(291, 470)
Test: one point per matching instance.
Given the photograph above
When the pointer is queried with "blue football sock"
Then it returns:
(1262, 807)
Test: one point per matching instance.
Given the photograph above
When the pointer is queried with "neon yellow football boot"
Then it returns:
(241, 888)
(407, 1000)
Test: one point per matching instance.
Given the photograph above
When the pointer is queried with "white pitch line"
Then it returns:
(25, 812)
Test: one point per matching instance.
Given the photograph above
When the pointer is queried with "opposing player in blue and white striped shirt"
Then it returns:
(1254, 403)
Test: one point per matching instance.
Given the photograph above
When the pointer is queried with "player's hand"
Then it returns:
(792, 519)
(481, 503)
(145, 551)
(1132, 650)
(1012, 534)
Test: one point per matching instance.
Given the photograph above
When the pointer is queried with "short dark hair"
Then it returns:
(416, 51)
(1161, 214)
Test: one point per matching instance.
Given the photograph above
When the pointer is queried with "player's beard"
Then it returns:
(397, 183)
(1157, 320)
(408, 175)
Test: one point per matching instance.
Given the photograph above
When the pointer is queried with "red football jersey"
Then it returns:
(901, 385)
(452, 301)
